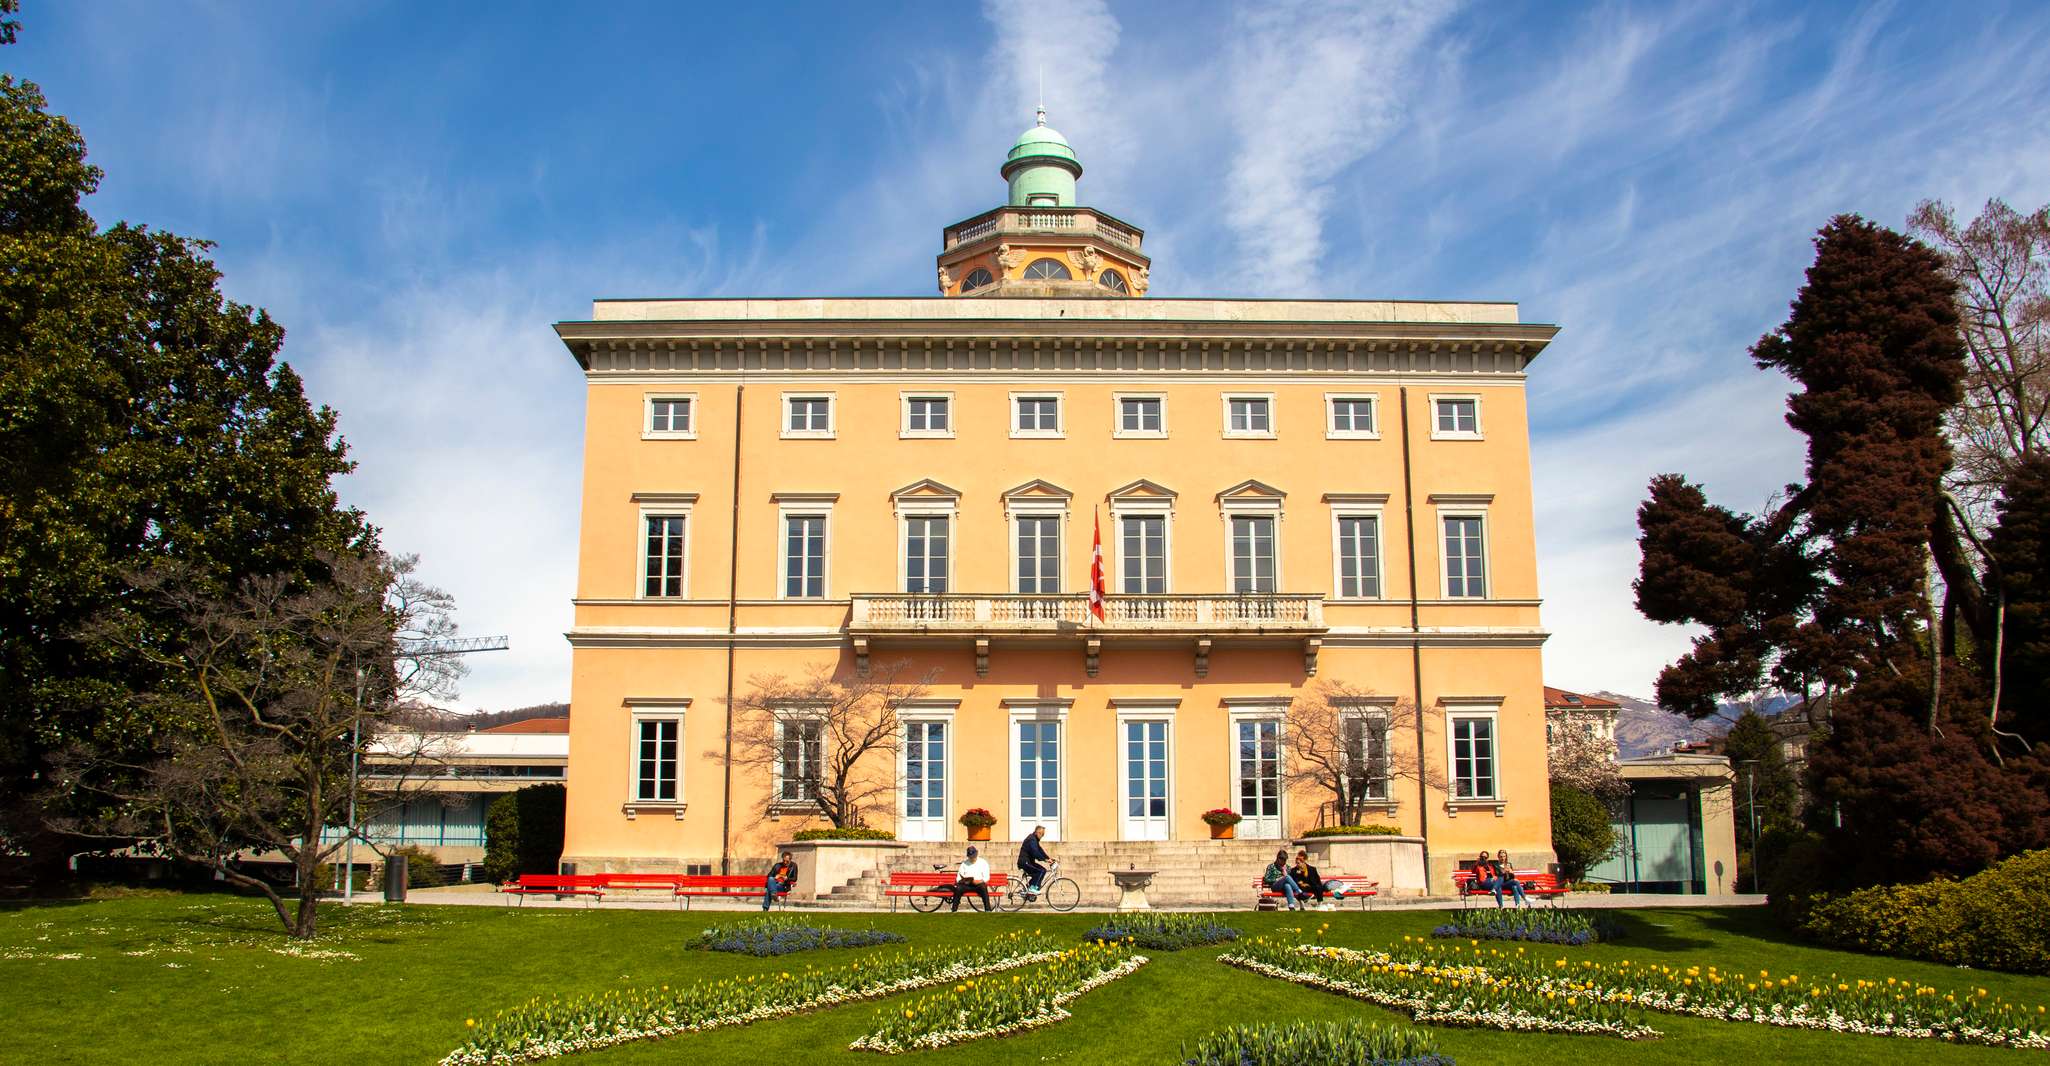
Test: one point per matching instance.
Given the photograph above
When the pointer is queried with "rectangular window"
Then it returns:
(1249, 416)
(1458, 417)
(1036, 415)
(1465, 563)
(797, 759)
(925, 554)
(808, 415)
(1140, 416)
(655, 763)
(1039, 554)
(663, 573)
(1352, 416)
(1359, 556)
(1252, 553)
(928, 416)
(1473, 758)
(1142, 554)
(669, 415)
(804, 556)
(1366, 757)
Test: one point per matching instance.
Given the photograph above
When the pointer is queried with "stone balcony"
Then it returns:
(984, 618)
(1044, 222)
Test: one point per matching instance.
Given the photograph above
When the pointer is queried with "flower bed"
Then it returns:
(763, 937)
(995, 1006)
(544, 1028)
(1460, 995)
(1353, 831)
(1551, 926)
(1347, 1043)
(1889, 1007)
(1162, 932)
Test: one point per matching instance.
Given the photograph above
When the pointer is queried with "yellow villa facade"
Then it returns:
(1288, 493)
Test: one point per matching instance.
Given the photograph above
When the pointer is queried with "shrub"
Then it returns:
(1354, 831)
(1553, 926)
(778, 935)
(1347, 1043)
(1163, 932)
(1582, 833)
(523, 833)
(1598, 887)
(423, 870)
(850, 832)
(1997, 919)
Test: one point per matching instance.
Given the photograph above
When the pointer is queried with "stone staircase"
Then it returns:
(1191, 872)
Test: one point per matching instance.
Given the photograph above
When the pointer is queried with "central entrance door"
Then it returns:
(1256, 774)
(1036, 757)
(925, 781)
(1145, 763)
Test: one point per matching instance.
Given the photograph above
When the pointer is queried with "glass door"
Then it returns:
(1036, 753)
(1257, 774)
(1145, 758)
(925, 781)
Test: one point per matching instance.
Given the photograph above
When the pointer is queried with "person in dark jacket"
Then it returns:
(781, 877)
(1278, 879)
(1307, 879)
(1032, 860)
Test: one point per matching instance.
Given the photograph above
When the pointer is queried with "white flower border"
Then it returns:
(930, 1041)
(536, 1050)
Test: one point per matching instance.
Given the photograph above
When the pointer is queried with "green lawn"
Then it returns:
(163, 979)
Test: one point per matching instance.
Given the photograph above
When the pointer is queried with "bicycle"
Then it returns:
(1060, 893)
(931, 901)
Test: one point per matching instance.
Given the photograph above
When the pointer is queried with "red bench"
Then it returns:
(1358, 888)
(717, 886)
(906, 885)
(1537, 884)
(590, 886)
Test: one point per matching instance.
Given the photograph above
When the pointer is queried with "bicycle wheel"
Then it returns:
(1061, 894)
(927, 902)
(1014, 896)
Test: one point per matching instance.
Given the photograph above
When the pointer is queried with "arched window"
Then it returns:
(1112, 280)
(1047, 270)
(976, 279)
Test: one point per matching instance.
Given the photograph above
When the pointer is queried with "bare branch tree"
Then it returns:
(1339, 743)
(276, 684)
(824, 742)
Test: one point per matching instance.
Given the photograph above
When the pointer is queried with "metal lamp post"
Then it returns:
(1751, 804)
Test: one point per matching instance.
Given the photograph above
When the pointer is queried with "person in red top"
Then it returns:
(781, 877)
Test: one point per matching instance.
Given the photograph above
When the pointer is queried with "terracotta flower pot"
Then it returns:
(978, 832)
(1223, 832)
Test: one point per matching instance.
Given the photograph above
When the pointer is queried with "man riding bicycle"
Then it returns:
(1032, 860)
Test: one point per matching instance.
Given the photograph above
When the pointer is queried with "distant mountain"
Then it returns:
(436, 718)
(1644, 729)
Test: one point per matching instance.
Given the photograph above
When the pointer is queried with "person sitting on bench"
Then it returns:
(973, 876)
(1307, 878)
(781, 877)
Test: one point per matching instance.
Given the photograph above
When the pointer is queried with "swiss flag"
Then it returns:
(1096, 568)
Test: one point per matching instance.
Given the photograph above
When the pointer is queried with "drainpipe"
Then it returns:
(732, 634)
(1416, 645)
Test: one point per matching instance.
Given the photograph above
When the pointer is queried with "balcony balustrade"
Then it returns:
(1022, 221)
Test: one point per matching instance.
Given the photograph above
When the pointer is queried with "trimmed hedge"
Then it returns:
(852, 832)
(1354, 831)
(1997, 919)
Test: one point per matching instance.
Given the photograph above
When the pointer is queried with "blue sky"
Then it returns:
(418, 190)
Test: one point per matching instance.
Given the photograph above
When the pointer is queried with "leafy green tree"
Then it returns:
(523, 832)
(1583, 833)
(144, 420)
(1764, 786)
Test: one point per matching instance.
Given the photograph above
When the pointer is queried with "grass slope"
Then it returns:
(168, 979)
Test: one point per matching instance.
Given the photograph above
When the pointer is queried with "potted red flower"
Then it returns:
(978, 822)
(1223, 823)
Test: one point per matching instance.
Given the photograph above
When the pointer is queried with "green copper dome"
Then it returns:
(1042, 168)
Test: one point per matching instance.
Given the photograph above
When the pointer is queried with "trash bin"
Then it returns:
(395, 879)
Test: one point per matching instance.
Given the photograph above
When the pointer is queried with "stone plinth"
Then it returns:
(1396, 862)
(824, 865)
(1132, 885)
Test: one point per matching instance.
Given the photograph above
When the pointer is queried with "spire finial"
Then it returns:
(1042, 95)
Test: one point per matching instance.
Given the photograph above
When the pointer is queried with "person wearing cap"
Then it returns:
(972, 877)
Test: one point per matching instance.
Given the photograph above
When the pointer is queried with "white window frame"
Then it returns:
(1464, 505)
(832, 416)
(655, 710)
(1060, 414)
(1360, 506)
(1331, 430)
(1043, 710)
(1122, 508)
(1257, 708)
(786, 714)
(803, 505)
(1117, 415)
(1378, 709)
(1273, 416)
(662, 504)
(648, 430)
(1253, 507)
(925, 507)
(904, 430)
(1489, 709)
(1479, 424)
(1036, 507)
(1144, 710)
(926, 709)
